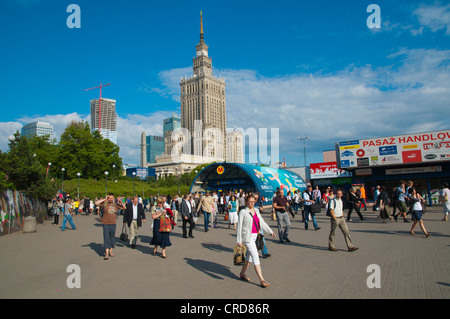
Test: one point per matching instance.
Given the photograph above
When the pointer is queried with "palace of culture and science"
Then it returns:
(203, 136)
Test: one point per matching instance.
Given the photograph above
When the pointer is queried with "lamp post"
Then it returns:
(78, 189)
(304, 145)
(134, 179)
(157, 179)
(62, 180)
(49, 166)
(106, 183)
(114, 172)
(11, 138)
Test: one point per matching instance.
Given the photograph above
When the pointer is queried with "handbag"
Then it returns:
(239, 253)
(316, 208)
(226, 217)
(165, 224)
(124, 235)
(259, 238)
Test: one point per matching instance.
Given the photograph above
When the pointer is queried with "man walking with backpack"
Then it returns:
(336, 212)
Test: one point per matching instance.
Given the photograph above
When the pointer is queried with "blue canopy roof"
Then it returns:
(261, 179)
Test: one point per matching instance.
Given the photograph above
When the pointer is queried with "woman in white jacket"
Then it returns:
(250, 221)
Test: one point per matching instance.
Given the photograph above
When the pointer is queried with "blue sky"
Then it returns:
(309, 68)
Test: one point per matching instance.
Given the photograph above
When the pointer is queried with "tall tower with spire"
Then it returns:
(203, 102)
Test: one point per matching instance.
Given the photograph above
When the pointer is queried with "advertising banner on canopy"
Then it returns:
(394, 150)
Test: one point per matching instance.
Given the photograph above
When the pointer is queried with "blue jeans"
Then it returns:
(68, 218)
(206, 215)
(313, 215)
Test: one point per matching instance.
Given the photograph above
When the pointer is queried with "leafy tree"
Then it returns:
(24, 171)
(87, 153)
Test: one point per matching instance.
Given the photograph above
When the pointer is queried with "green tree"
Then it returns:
(87, 153)
(23, 170)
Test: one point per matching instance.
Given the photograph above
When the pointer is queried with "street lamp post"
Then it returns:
(304, 145)
(157, 178)
(114, 172)
(106, 183)
(49, 166)
(11, 138)
(62, 180)
(134, 179)
(78, 189)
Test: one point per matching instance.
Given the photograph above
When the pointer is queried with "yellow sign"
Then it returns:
(220, 170)
(349, 147)
(405, 147)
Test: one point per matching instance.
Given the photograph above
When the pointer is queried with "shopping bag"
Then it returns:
(239, 255)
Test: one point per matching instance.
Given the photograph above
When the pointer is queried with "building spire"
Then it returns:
(201, 27)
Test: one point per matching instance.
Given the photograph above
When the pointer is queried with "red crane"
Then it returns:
(99, 103)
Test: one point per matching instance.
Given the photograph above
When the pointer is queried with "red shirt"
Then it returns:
(255, 222)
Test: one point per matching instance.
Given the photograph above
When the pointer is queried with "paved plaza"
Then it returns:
(34, 265)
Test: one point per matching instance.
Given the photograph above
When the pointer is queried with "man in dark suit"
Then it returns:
(134, 215)
(187, 215)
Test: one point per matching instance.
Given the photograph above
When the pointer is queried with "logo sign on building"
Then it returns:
(326, 170)
(395, 150)
(220, 170)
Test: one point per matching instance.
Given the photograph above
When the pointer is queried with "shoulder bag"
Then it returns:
(165, 225)
(260, 238)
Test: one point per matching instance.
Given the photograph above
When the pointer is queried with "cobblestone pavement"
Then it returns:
(34, 265)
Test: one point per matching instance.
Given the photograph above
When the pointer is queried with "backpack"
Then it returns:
(328, 213)
(396, 194)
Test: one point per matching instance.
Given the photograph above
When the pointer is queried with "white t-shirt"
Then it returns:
(337, 207)
(444, 192)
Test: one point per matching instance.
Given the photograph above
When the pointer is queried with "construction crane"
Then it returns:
(99, 103)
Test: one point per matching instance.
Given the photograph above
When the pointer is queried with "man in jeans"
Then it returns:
(206, 204)
(280, 204)
(337, 220)
(308, 199)
(68, 213)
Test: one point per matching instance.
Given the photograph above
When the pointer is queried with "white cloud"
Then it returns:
(435, 17)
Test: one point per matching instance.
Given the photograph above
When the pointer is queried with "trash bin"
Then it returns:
(29, 224)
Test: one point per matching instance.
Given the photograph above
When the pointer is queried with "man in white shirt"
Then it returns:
(187, 212)
(445, 199)
(338, 220)
(133, 216)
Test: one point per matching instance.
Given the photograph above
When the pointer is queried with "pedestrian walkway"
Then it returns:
(202, 267)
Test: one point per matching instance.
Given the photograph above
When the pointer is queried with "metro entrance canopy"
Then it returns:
(250, 178)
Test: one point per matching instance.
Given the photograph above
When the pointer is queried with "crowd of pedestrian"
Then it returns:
(243, 211)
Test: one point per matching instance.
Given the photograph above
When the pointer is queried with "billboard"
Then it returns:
(327, 170)
(426, 147)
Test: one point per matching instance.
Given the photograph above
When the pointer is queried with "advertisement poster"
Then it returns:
(327, 170)
(426, 147)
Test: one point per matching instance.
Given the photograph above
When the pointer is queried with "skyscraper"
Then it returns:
(38, 129)
(154, 147)
(104, 118)
(203, 103)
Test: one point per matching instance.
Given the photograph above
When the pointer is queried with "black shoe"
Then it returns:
(185, 237)
(281, 241)
(317, 228)
(133, 246)
(287, 240)
(267, 255)
(191, 236)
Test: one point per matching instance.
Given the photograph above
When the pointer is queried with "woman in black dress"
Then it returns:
(160, 238)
